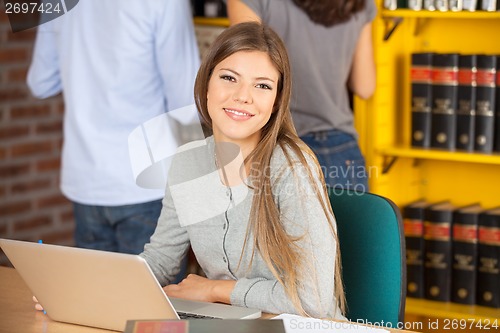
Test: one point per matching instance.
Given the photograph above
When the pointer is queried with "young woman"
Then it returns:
(331, 53)
(250, 200)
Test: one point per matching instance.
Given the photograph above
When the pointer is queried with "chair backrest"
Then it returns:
(372, 245)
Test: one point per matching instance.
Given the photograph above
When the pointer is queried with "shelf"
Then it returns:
(437, 14)
(433, 154)
(393, 18)
(215, 21)
(423, 307)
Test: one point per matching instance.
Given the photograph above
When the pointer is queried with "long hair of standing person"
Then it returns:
(331, 12)
(277, 248)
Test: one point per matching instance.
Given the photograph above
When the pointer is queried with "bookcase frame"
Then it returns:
(401, 172)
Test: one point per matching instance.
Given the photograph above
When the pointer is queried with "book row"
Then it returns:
(453, 253)
(443, 5)
(455, 101)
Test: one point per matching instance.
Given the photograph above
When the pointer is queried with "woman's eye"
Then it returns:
(264, 86)
(227, 78)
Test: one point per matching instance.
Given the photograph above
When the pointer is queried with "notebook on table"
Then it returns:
(102, 289)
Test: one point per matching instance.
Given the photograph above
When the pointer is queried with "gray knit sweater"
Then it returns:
(198, 210)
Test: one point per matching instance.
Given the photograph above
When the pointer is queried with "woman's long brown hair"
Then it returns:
(330, 12)
(277, 248)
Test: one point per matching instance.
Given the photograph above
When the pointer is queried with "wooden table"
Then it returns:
(18, 314)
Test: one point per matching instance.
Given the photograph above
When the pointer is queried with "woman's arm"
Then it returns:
(168, 245)
(362, 79)
(239, 12)
(198, 288)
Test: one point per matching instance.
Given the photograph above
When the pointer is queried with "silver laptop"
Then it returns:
(102, 289)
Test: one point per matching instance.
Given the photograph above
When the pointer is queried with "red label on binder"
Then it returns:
(490, 236)
(159, 326)
(465, 233)
(414, 228)
(421, 74)
(466, 77)
(486, 77)
(445, 76)
(437, 231)
(498, 79)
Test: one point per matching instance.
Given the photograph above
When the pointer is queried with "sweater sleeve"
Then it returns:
(168, 245)
(303, 217)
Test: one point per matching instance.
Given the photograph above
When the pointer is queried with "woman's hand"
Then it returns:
(198, 288)
(38, 306)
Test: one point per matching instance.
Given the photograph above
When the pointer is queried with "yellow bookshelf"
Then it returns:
(440, 15)
(212, 21)
(401, 172)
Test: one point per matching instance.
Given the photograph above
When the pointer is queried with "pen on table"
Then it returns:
(41, 242)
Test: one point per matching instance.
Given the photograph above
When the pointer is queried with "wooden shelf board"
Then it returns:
(438, 14)
(434, 154)
(450, 310)
(217, 21)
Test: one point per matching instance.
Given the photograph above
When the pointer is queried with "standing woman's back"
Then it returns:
(325, 60)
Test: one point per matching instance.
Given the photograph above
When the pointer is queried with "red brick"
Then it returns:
(30, 111)
(32, 223)
(67, 217)
(60, 108)
(14, 170)
(21, 36)
(53, 127)
(3, 230)
(29, 186)
(17, 74)
(13, 94)
(58, 145)
(15, 208)
(52, 201)
(47, 165)
(3, 191)
(3, 16)
(14, 131)
(15, 55)
(3, 153)
(59, 237)
(32, 148)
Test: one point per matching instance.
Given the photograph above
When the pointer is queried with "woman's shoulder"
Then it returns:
(192, 159)
(288, 159)
(194, 144)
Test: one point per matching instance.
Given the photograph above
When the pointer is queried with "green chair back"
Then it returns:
(372, 246)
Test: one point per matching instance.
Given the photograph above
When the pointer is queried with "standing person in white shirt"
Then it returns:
(118, 64)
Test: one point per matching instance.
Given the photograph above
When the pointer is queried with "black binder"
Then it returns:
(437, 234)
(421, 99)
(466, 104)
(464, 259)
(444, 97)
(485, 103)
(488, 274)
(414, 236)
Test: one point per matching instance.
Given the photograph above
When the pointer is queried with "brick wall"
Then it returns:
(31, 204)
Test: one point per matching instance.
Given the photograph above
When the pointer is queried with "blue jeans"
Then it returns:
(340, 159)
(123, 229)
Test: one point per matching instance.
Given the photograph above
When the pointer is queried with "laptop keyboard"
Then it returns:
(184, 315)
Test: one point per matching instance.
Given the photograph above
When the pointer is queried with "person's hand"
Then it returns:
(38, 306)
(198, 288)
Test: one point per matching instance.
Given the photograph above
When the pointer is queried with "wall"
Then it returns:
(31, 205)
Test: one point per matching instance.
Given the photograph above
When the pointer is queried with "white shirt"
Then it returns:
(119, 63)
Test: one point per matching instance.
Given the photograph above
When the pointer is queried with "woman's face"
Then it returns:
(240, 97)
